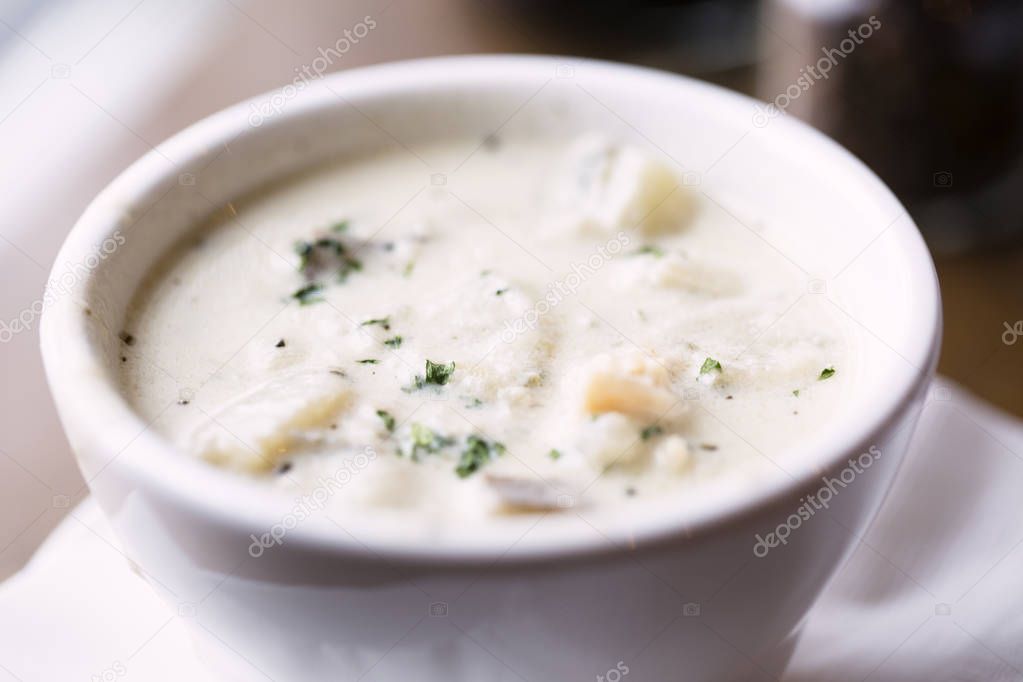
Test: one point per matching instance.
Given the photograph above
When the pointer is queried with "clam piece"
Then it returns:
(260, 428)
(629, 383)
(529, 493)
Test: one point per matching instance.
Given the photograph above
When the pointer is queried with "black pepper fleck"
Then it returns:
(284, 468)
(127, 338)
(280, 344)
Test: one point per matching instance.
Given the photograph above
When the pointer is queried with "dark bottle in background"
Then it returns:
(932, 101)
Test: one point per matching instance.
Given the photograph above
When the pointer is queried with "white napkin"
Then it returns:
(932, 593)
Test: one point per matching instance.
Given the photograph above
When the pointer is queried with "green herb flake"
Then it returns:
(347, 267)
(710, 365)
(340, 226)
(421, 435)
(324, 255)
(388, 420)
(425, 440)
(330, 245)
(651, 431)
(409, 267)
(501, 292)
(826, 373)
(384, 322)
(438, 373)
(309, 294)
(649, 250)
(304, 250)
(796, 392)
(478, 451)
(394, 342)
(554, 454)
(368, 361)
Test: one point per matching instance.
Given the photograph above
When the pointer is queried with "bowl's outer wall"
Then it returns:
(708, 604)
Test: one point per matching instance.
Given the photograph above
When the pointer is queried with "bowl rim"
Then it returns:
(185, 482)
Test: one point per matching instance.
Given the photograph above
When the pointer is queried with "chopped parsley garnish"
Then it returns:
(649, 250)
(472, 402)
(340, 226)
(554, 454)
(384, 322)
(349, 266)
(796, 392)
(388, 419)
(501, 292)
(394, 342)
(310, 293)
(710, 365)
(305, 252)
(651, 431)
(324, 255)
(826, 373)
(478, 451)
(409, 267)
(368, 361)
(437, 374)
(425, 440)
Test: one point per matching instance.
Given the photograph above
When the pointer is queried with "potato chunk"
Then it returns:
(257, 430)
(630, 383)
(618, 186)
(672, 455)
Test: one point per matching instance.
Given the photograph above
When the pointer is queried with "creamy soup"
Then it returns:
(553, 325)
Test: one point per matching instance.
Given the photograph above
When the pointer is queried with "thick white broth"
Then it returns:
(615, 335)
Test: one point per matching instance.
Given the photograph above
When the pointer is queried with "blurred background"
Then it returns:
(929, 93)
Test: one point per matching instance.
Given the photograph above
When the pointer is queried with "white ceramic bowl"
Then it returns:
(708, 593)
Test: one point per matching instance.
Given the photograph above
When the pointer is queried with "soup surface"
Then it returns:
(554, 325)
